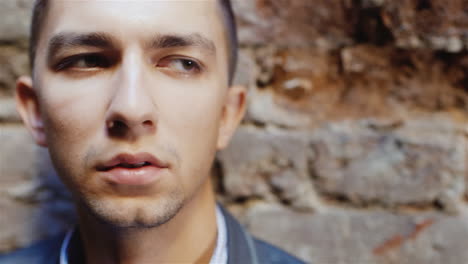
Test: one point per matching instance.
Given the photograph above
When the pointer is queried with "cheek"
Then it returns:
(71, 120)
(72, 109)
(192, 125)
(191, 109)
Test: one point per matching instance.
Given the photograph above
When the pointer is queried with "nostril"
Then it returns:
(129, 128)
(148, 123)
(116, 124)
(117, 128)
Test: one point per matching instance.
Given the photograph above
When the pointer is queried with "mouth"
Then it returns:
(126, 166)
(132, 161)
(134, 170)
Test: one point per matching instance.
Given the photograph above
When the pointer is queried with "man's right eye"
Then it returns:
(84, 62)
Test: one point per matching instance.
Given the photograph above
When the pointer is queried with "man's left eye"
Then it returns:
(180, 65)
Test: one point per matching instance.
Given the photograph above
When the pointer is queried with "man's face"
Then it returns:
(132, 102)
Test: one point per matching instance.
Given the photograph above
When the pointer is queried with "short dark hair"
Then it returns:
(40, 13)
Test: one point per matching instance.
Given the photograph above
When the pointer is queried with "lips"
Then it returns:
(128, 169)
(132, 161)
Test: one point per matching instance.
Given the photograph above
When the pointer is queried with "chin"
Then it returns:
(134, 212)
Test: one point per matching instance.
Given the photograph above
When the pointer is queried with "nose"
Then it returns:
(132, 110)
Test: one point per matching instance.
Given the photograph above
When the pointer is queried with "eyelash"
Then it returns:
(102, 61)
(196, 66)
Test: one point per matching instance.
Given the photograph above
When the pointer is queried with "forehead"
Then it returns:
(135, 19)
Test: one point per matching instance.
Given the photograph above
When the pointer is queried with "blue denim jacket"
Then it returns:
(242, 249)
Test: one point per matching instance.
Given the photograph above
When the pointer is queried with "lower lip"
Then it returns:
(133, 176)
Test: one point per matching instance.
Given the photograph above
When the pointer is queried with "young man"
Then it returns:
(132, 99)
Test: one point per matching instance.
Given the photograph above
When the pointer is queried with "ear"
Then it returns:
(27, 104)
(233, 112)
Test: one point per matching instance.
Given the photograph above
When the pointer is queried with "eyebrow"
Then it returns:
(66, 40)
(164, 41)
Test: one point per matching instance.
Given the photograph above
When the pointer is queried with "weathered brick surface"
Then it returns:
(354, 144)
(8, 111)
(15, 20)
(34, 204)
(304, 87)
(437, 24)
(274, 170)
(370, 236)
(18, 157)
(466, 162)
(24, 222)
(415, 162)
(14, 62)
(433, 24)
(321, 23)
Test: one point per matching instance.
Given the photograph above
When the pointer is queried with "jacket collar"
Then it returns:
(241, 246)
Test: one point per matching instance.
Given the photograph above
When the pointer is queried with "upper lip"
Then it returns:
(131, 159)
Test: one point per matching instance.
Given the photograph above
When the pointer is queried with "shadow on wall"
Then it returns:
(37, 207)
(56, 210)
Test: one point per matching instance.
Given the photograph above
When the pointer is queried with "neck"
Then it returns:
(189, 237)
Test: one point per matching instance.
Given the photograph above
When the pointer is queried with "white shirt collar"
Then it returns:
(220, 254)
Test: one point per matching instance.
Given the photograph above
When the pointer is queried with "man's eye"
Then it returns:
(83, 62)
(180, 65)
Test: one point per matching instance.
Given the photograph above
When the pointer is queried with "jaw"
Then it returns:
(130, 207)
(147, 241)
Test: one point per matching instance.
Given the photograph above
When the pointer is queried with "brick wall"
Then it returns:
(354, 146)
